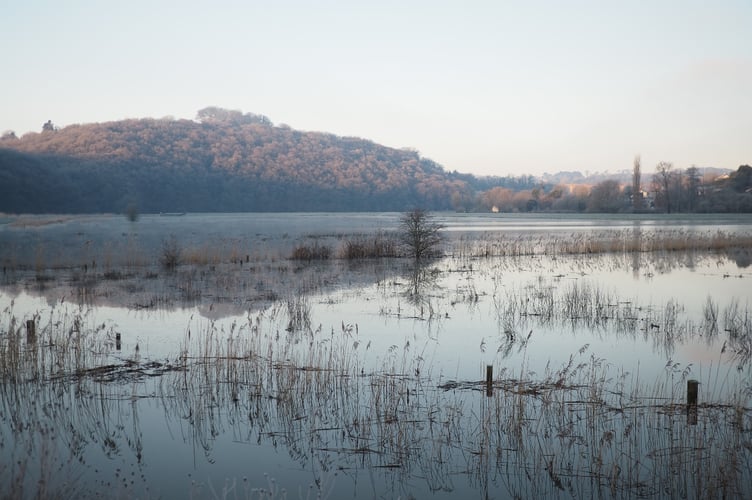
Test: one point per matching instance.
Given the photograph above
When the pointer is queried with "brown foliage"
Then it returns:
(308, 170)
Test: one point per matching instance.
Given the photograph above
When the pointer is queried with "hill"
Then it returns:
(229, 161)
(224, 161)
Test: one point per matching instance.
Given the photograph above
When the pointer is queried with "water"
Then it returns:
(401, 413)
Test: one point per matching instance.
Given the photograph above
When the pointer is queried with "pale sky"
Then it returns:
(483, 87)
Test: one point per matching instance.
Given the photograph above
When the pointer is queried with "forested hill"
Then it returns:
(225, 161)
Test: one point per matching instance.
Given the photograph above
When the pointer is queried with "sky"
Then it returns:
(483, 87)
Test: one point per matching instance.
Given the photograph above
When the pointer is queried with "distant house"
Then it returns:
(495, 209)
(648, 199)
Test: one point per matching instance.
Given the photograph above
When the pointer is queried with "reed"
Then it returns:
(601, 242)
(311, 252)
(574, 430)
(568, 430)
(379, 245)
(171, 254)
(333, 403)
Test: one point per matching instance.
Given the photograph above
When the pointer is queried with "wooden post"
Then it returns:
(31, 331)
(489, 380)
(117, 341)
(692, 390)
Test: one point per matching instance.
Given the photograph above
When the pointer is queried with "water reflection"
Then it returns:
(422, 283)
(228, 398)
(362, 379)
(742, 257)
(636, 244)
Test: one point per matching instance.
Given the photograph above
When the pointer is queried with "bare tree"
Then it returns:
(636, 187)
(420, 234)
(606, 196)
(131, 212)
(171, 253)
(662, 181)
(693, 187)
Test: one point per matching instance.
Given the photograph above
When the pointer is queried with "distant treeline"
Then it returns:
(225, 162)
(228, 161)
(669, 190)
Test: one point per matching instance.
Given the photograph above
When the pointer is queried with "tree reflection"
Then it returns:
(636, 245)
(422, 283)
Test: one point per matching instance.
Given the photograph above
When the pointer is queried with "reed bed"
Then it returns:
(311, 252)
(229, 272)
(337, 407)
(599, 242)
(63, 392)
(577, 430)
(376, 246)
(584, 304)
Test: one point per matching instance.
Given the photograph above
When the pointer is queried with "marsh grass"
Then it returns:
(171, 253)
(228, 271)
(60, 396)
(379, 245)
(311, 252)
(585, 305)
(578, 429)
(595, 434)
(298, 313)
(625, 241)
(333, 402)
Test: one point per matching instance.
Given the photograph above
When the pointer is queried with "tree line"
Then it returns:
(224, 161)
(231, 161)
(669, 190)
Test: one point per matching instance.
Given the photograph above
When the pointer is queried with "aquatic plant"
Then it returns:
(578, 429)
(311, 252)
(377, 246)
(171, 253)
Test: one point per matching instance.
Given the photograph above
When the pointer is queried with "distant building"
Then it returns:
(648, 199)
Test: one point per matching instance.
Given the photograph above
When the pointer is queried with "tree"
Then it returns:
(741, 180)
(183, 165)
(605, 196)
(662, 181)
(500, 197)
(420, 234)
(214, 114)
(693, 187)
(636, 187)
(131, 212)
(463, 200)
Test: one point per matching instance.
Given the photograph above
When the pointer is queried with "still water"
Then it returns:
(365, 379)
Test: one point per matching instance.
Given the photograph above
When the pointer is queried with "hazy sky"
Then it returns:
(487, 87)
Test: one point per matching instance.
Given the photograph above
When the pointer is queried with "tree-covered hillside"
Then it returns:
(225, 161)
(229, 161)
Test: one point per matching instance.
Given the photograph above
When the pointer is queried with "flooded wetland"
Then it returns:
(304, 356)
